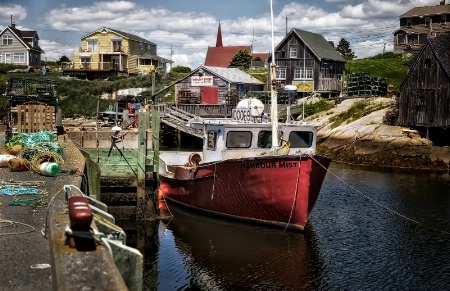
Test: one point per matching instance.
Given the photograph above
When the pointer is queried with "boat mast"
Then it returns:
(273, 93)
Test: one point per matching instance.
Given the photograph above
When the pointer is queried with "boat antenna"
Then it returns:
(273, 93)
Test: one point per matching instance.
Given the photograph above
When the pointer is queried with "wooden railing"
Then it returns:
(330, 84)
(207, 110)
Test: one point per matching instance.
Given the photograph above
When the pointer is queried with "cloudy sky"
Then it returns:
(186, 28)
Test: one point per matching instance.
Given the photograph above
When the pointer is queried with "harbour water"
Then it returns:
(371, 229)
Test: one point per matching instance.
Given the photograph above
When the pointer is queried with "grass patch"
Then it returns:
(353, 113)
(392, 66)
(310, 109)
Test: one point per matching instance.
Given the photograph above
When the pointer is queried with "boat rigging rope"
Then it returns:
(380, 204)
(295, 193)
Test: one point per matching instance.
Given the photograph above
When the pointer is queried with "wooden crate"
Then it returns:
(33, 118)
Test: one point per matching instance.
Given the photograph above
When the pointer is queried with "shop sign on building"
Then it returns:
(202, 81)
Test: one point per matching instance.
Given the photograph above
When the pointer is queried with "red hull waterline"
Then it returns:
(273, 190)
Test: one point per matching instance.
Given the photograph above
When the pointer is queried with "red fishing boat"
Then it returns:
(240, 175)
(251, 167)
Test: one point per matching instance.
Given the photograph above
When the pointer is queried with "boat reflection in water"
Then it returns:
(218, 254)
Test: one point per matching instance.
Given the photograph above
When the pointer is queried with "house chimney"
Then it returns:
(442, 2)
(13, 25)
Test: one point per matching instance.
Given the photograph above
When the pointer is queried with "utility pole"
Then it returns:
(171, 54)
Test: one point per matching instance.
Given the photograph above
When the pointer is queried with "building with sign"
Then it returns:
(215, 85)
(309, 62)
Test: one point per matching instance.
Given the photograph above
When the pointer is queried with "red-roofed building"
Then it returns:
(221, 56)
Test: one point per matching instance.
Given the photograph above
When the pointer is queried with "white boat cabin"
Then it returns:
(246, 135)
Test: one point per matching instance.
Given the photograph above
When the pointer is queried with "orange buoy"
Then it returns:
(14, 150)
(18, 164)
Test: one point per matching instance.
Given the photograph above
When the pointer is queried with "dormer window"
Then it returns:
(141, 46)
(408, 22)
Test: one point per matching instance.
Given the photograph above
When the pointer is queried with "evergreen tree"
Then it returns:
(344, 49)
(63, 59)
(242, 60)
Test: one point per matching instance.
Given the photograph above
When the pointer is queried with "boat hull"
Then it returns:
(273, 190)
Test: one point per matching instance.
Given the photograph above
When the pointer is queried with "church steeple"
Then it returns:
(219, 37)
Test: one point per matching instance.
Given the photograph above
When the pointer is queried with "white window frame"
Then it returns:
(116, 44)
(8, 58)
(7, 39)
(87, 61)
(302, 74)
(1, 58)
(141, 46)
(293, 51)
(444, 19)
(92, 45)
(280, 73)
(19, 58)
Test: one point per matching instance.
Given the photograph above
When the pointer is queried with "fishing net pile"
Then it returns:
(37, 152)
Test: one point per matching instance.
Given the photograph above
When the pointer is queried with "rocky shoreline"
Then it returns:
(369, 142)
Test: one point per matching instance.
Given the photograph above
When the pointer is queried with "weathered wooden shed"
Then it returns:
(424, 101)
(309, 62)
(215, 85)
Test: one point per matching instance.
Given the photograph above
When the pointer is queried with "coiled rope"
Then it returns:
(42, 157)
(9, 223)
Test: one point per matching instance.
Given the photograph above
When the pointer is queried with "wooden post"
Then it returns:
(155, 146)
(141, 157)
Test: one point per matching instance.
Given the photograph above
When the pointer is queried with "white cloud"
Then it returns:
(17, 11)
(367, 25)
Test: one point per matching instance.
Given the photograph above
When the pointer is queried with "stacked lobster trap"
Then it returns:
(363, 84)
(31, 105)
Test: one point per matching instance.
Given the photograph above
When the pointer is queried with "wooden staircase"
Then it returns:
(180, 119)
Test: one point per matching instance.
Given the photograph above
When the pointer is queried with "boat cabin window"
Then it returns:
(300, 139)
(265, 139)
(211, 140)
(239, 139)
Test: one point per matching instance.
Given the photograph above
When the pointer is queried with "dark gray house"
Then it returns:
(307, 60)
(215, 85)
(424, 101)
(420, 23)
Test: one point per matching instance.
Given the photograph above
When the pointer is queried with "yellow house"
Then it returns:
(109, 52)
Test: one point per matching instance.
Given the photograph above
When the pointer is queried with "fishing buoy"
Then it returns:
(14, 150)
(49, 169)
(4, 159)
(18, 164)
